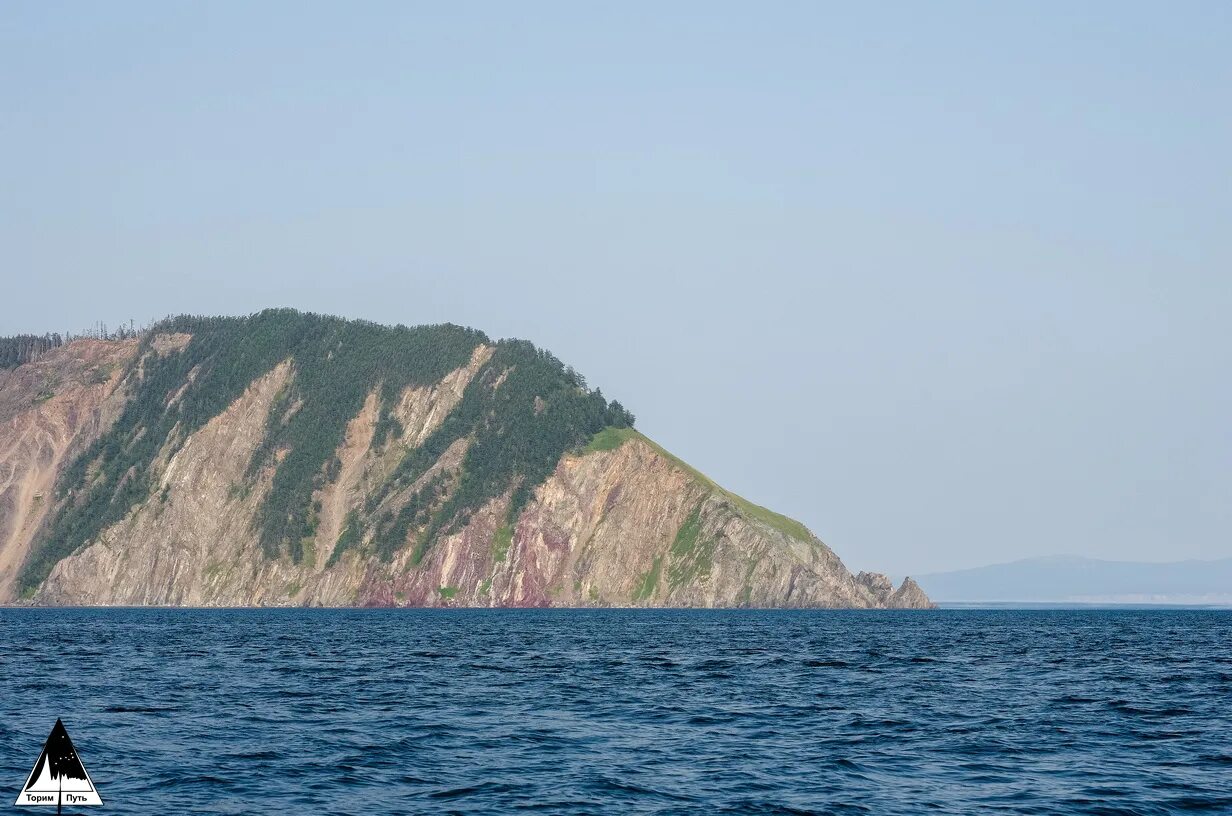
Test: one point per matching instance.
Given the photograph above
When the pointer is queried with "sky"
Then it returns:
(948, 282)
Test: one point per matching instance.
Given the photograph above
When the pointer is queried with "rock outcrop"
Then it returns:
(619, 522)
(50, 410)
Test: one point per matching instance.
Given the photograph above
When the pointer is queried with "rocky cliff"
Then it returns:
(294, 460)
(50, 410)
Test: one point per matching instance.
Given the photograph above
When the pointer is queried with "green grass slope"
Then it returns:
(611, 438)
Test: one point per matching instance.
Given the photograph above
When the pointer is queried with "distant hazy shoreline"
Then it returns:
(1048, 605)
(1074, 581)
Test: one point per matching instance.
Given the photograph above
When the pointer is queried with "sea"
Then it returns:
(962, 711)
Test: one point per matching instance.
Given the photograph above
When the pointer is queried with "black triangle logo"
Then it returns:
(58, 777)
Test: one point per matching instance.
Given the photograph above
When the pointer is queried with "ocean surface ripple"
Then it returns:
(627, 712)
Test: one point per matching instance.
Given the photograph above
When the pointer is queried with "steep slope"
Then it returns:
(50, 409)
(295, 459)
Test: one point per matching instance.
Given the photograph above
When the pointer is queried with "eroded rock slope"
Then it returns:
(413, 503)
(50, 410)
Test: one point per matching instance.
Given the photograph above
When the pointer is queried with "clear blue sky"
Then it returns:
(950, 282)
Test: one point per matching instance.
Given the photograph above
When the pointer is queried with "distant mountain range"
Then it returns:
(1071, 579)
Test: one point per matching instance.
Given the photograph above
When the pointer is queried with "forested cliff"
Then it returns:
(296, 459)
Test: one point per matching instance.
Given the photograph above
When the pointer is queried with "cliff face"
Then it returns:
(50, 410)
(617, 522)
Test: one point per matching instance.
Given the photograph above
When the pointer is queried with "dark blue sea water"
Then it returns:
(626, 712)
